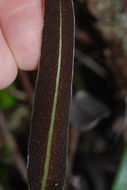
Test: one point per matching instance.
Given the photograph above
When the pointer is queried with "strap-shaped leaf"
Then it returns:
(49, 126)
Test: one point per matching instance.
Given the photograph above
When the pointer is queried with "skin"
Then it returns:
(21, 24)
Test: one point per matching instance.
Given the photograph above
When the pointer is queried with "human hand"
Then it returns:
(21, 24)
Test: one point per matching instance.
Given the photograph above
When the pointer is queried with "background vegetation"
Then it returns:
(98, 113)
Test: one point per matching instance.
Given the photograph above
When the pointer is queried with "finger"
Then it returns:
(22, 26)
(8, 68)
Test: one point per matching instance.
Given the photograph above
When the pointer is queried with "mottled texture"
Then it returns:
(44, 97)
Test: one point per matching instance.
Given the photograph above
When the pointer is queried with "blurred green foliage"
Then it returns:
(7, 101)
(120, 182)
(4, 177)
(6, 150)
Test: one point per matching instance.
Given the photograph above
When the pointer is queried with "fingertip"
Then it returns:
(7, 75)
(29, 65)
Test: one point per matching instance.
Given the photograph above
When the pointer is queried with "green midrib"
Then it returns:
(51, 128)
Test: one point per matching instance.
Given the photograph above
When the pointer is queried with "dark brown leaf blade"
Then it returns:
(49, 126)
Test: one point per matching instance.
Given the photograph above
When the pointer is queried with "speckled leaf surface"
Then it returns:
(49, 125)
